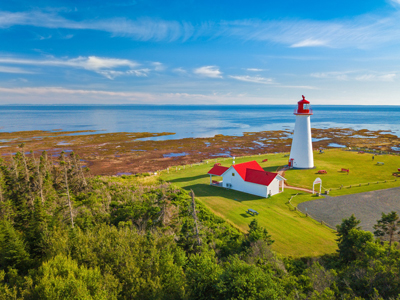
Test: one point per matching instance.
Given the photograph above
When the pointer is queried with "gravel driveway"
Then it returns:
(367, 207)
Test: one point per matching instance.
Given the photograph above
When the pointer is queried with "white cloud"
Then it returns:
(375, 77)
(334, 75)
(179, 71)
(158, 66)
(254, 70)
(95, 63)
(142, 29)
(303, 87)
(358, 32)
(46, 95)
(356, 75)
(255, 79)
(108, 67)
(14, 70)
(394, 2)
(208, 71)
(309, 43)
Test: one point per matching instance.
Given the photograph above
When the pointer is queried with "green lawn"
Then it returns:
(294, 234)
(363, 170)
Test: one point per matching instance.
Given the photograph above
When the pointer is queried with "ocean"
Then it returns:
(193, 121)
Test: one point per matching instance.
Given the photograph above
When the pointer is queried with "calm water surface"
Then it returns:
(193, 121)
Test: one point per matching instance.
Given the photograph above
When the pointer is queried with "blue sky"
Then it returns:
(199, 52)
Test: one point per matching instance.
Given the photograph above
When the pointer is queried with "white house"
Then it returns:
(248, 178)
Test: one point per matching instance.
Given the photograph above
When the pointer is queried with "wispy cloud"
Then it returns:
(179, 70)
(254, 70)
(14, 70)
(334, 75)
(66, 95)
(395, 3)
(375, 77)
(255, 79)
(359, 32)
(142, 29)
(158, 66)
(309, 43)
(208, 71)
(108, 67)
(356, 75)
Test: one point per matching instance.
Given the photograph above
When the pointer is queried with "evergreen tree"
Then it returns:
(388, 226)
(13, 250)
(346, 244)
(256, 233)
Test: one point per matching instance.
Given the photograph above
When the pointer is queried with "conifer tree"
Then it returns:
(388, 226)
(345, 243)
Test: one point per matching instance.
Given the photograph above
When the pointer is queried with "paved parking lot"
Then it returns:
(367, 207)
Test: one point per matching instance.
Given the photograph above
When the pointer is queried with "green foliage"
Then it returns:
(388, 226)
(203, 273)
(345, 243)
(256, 233)
(138, 239)
(243, 281)
(63, 278)
(13, 249)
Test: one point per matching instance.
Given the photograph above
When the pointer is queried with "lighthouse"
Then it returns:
(301, 155)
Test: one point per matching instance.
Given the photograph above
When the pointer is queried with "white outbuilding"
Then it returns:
(248, 178)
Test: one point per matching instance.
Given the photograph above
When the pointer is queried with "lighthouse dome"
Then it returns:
(303, 107)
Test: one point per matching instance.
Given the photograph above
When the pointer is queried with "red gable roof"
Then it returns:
(252, 172)
(217, 170)
(243, 167)
(260, 177)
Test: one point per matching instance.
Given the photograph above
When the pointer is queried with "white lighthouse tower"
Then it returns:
(301, 154)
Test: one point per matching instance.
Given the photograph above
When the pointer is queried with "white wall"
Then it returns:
(240, 185)
(274, 187)
(301, 150)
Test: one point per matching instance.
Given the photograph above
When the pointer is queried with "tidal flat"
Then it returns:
(138, 152)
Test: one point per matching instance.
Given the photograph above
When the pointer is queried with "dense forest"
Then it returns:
(67, 235)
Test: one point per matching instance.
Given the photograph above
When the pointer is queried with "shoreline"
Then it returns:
(137, 152)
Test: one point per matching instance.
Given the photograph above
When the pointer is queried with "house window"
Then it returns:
(233, 174)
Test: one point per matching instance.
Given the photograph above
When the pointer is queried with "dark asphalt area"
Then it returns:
(367, 207)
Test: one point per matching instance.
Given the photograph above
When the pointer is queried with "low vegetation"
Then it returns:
(64, 235)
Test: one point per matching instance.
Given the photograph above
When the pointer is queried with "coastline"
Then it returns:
(137, 152)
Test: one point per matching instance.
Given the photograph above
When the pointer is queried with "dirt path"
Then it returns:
(298, 188)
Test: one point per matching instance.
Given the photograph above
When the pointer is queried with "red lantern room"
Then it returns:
(303, 107)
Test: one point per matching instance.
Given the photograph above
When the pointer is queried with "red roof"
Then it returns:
(252, 172)
(304, 101)
(217, 170)
(260, 177)
(243, 167)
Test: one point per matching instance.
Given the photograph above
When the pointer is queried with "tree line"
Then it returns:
(67, 235)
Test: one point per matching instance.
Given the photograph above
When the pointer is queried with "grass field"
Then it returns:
(363, 170)
(294, 234)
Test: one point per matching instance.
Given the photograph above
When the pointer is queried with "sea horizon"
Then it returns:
(192, 120)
